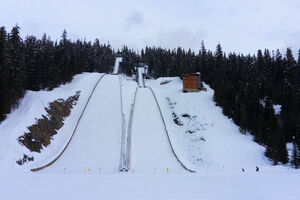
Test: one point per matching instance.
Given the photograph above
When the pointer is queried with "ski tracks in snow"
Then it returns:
(152, 150)
(100, 142)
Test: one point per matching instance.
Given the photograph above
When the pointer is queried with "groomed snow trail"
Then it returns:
(95, 147)
(150, 149)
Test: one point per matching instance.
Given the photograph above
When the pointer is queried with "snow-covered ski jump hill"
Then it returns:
(122, 141)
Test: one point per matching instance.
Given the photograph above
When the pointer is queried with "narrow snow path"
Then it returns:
(95, 147)
(151, 152)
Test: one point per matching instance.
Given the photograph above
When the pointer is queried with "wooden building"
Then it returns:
(192, 82)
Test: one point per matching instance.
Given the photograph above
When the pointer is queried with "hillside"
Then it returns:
(198, 137)
(205, 138)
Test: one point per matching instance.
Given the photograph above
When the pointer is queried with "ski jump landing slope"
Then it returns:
(150, 150)
(96, 144)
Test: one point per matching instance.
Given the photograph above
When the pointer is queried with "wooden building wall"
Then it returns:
(191, 82)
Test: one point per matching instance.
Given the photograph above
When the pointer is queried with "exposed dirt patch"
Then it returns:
(175, 116)
(190, 131)
(25, 159)
(165, 82)
(41, 133)
(186, 116)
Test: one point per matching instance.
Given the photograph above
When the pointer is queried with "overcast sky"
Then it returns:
(239, 25)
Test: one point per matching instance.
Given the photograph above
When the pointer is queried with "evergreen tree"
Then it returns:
(296, 154)
(64, 56)
(47, 64)
(15, 66)
(32, 71)
(290, 69)
(245, 86)
(5, 104)
(278, 79)
(98, 56)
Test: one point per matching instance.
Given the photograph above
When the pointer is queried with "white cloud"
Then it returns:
(240, 26)
(135, 19)
(179, 36)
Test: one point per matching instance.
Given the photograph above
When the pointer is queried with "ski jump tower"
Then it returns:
(117, 65)
(141, 70)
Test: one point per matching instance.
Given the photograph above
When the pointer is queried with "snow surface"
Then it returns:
(89, 167)
(151, 151)
(32, 107)
(96, 144)
(290, 148)
(277, 109)
(279, 185)
(215, 142)
(128, 88)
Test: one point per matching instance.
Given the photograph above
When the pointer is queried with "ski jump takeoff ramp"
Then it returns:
(95, 146)
(150, 149)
